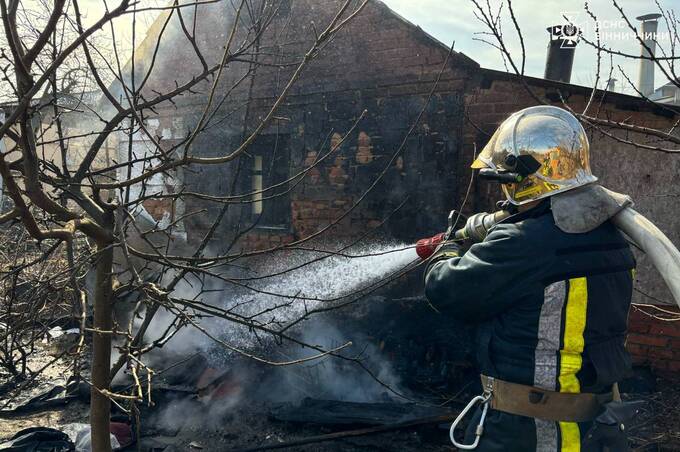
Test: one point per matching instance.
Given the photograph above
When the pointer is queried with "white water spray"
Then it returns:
(285, 288)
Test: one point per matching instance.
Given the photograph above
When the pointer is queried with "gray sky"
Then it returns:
(454, 20)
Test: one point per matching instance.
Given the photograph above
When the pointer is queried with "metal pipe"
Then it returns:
(561, 49)
(611, 85)
(648, 50)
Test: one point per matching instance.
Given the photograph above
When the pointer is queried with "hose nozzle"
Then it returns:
(475, 230)
(426, 247)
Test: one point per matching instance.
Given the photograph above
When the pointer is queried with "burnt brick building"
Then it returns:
(406, 181)
(379, 64)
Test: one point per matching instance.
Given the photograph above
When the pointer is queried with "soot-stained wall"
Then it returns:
(362, 94)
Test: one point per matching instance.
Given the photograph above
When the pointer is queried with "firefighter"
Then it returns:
(550, 307)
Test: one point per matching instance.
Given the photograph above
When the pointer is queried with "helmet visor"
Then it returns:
(561, 150)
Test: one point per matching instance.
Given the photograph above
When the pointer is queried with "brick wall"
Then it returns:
(260, 240)
(379, 64)
(653, 340)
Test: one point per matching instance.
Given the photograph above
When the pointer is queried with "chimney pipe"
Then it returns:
(611, 84)
(650, 24)
(561, 49)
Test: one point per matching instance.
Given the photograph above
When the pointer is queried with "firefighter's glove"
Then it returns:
(447, 250)
(609, 430)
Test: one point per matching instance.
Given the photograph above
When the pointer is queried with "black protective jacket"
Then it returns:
(551, 310)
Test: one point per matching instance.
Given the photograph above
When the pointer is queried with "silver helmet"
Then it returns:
(554, 138)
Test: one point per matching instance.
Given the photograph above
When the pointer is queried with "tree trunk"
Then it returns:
(100, 406)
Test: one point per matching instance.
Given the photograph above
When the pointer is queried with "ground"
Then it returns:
(659, 425)
(249, 424)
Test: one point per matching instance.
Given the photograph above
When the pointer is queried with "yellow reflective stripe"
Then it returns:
(571, 358)
(448, 254)
(574, 326)
(571, 437)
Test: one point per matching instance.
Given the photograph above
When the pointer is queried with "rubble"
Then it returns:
(335, 412)
(38, 439)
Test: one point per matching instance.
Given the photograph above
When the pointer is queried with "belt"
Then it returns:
(535, 402)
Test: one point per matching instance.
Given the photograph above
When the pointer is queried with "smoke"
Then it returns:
(284, 298)
(327, 379)
(194, 412)
(330, 378)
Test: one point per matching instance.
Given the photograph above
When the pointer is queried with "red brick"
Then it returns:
(640, 360)
(636, 314)
(636, 349)
(654, 341)
(662, 353)
(665, 329)
(660, 364)
(638, 327)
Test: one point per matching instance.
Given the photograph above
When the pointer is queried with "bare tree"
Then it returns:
(69, 179)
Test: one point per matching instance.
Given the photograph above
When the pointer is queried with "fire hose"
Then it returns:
(663, 254)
